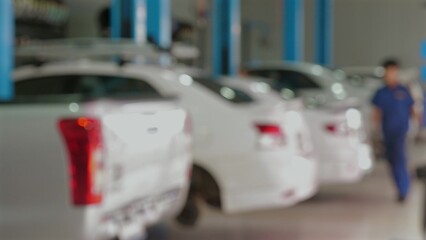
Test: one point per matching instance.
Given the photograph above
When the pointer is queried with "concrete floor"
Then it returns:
(362, 211)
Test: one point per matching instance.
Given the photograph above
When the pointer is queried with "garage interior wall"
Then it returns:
(366, 31)
(369, 30)
(84, 17)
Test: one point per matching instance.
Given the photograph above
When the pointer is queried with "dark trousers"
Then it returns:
(397, 158)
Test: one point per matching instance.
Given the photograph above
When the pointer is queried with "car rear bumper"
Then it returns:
(340, 167)
(283, 186)
(91, 223)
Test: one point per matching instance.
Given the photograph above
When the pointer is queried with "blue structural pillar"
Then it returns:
(294, 14)
(7, 37)
(116, 19)
(226, 18)
(159, 20)
(324, 32)
(128, 20)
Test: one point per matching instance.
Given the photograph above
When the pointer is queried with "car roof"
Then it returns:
(82, 67)
(315, 70)
(285, 65)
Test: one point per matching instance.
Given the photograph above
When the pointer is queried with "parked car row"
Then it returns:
(102, 149)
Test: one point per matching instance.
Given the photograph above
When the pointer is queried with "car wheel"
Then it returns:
(206, 187)
(190, 213)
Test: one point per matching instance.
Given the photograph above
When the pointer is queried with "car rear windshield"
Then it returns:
(228, 93)
(85, 85)
(287, 79)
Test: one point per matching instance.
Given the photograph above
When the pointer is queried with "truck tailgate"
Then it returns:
(139, 140)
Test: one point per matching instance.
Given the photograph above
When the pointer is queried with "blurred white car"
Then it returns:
(248, 155)
(316, 85)
(337, 128)
(369, 79)
(90, 151)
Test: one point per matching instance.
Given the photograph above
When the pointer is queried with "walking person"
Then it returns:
(394, 107)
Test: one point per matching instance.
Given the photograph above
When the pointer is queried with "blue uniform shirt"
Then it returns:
(395, 104)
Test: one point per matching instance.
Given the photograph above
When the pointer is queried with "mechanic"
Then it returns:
(394, 106)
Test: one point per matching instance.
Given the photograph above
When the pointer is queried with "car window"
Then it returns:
(287, 79)
(298, 80)
(228, 93)
(87, 85)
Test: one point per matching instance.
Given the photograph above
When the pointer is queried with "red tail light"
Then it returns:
(332, 128)
(83, 138)
(337, 129)
(270, 136)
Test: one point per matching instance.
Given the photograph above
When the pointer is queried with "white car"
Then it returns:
(248, 155)
(90, 152)
(337, 127)
(370, 79)
(316, 85)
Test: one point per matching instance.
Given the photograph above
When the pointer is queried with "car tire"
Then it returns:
(205, 186)
(190, 213)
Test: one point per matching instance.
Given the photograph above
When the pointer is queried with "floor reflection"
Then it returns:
(361, 211)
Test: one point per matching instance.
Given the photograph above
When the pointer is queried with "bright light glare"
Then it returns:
(186, 80)
(287, 94)
(354, 118)
(311, 103)
(364, 160)
(227, 93)
(317, 70)
(260, 87)
(74, 107)
(337, 88)
(379, 72)
(339, 91)
(268, 141)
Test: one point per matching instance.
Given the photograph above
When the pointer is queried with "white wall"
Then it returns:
(267, 15)
(84, 15)
(366, 31)
(184, 10)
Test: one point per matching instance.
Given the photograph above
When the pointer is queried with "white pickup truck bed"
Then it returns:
(75, 169)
